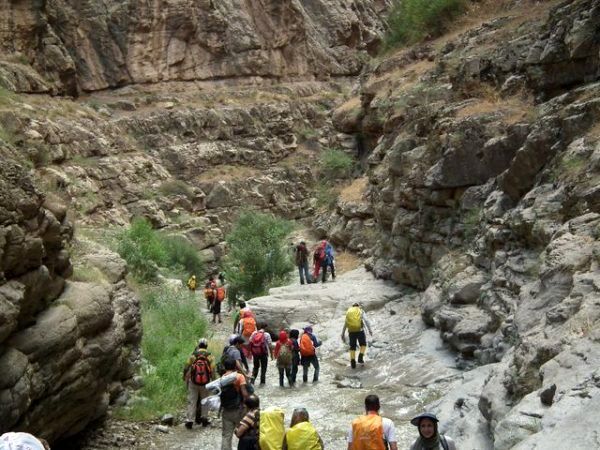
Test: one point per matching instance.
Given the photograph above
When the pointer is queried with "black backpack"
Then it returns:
(230, 398)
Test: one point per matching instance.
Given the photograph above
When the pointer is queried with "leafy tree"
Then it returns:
(143, 250)
(258, 258)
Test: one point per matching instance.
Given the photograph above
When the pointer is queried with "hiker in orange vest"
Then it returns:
(371, 431)
(308, 345)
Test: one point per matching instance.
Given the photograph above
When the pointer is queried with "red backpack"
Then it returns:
(201, 371)
(258, 344)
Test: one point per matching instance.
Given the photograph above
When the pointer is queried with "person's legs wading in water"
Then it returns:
(306, 363)
(260, 361)
(360, 338)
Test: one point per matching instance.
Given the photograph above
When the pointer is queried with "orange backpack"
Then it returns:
(307, 347)
(248, 326)
(220, 293)
(367, 433)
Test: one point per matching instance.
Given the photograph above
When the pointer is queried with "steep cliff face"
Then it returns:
(66, 347)
(93, 45)
(483, 191)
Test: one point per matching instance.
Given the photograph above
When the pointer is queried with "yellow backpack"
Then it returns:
(272, 429)
(354, 319)
(303, 436)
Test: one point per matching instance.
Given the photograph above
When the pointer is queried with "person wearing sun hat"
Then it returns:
(429, 437)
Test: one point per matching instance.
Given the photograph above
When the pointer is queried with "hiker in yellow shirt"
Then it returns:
(356, 321)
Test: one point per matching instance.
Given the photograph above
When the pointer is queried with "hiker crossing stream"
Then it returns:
(406, 364)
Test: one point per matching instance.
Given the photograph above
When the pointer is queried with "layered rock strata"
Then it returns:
(66, 348)
(87, 46)
(482, 182)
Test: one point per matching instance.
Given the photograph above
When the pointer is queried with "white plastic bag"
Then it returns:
(213, 403)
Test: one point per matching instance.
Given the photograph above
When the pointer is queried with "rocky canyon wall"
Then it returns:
(66, 348)
(69, 46)
(482, 190)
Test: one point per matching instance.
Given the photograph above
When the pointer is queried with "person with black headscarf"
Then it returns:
(429, 437)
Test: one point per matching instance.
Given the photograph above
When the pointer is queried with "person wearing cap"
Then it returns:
(371, 431)
(234, 351)
(308, 345)
(356, 321)
(196, 392)
(429, 437)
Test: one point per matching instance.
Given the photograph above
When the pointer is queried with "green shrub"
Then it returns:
(143, 250)
(182, 257)
(176, 187)
(335, 164)
(258, 258)
(410, 21)
(147, 250)
(172, 326)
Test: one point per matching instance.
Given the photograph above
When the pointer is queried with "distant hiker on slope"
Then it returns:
(355, 322)
(318, 258)
(328, 261)
(429, 438)
(210, 292)
(191, 283)
(302, 262)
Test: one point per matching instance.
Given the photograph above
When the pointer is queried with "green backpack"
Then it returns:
(284, 359)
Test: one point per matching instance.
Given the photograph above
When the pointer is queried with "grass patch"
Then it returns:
(87, 273)
(410, 21)
(146, 250)
(172, 326)
(335, 164)
(326, 196)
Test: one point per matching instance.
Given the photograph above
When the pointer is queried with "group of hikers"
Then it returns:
(229, 378)
(323, 259)
(255, 429)
(214, 293)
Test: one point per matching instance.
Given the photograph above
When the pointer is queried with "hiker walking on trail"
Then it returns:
(308, 345)
(234, 351)
(248, 428)
(238, 314)
(191, 283)
(217, 302)
(232, 397)
(302, 262)
(284, 354)
(198, 372)
(371, 431)
(302, 435)
(318, 258)
(328, 261)
(356, 321)
(260, 343)
(294, 334)
(429, 438)
(210, 292)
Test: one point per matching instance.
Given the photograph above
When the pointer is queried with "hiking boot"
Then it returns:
(189, 425)
(205, 421)
(353, 363)
(361, 359)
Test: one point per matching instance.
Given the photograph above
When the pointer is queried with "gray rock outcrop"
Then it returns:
(96, 45)
(67, 348)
